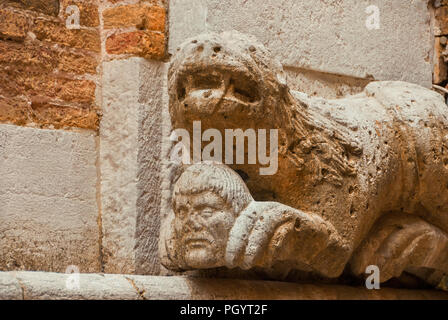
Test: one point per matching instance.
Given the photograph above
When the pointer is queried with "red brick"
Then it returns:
(21, 112)
(88, 12)
(52, 31)
(143, 17)
(48, 7)
(44, 58)
(48, 114)
(440, 73)
(14, 110)
(77, 62)
(13, 25)
(35, 83)
(156, 18)
(30, 55)
(141, 43)
(441, 21)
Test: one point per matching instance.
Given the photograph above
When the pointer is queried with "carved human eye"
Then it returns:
(207, 212)
(181, 212)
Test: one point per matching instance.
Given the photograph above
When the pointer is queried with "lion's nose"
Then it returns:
(207, 49)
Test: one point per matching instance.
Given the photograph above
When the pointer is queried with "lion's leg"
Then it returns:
(398, 242)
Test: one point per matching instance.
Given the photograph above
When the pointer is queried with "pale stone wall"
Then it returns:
(48, 196)
(130, 135)
(324, 36)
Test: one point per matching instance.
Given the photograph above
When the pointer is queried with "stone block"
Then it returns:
(136, 15)
(34, 83)
(440, 67)
(46, 58)
(60, 286)
(133, 97)
(51, 31)
(147, 44)
(325, 36)
(13, 25)
(53, 286)
(9, 287)
(441, 21)
(88, 12)
(48, 7)
(49, 211)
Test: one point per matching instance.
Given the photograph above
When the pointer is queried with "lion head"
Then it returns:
(228, 76)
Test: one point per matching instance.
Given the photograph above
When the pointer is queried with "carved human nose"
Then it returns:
(193, 220)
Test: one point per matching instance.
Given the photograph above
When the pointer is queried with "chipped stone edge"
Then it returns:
(28, 285)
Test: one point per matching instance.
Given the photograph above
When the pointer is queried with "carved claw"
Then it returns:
(398, 242)
(270, 232)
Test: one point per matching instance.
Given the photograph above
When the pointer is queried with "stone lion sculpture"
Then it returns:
(361, 180)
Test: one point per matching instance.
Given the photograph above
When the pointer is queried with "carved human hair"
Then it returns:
(216, 177)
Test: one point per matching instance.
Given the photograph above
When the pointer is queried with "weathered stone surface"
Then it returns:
(14, 110)
(30, 55)
(77, 62)
(46, 58)
(50, 115)
(48, 216)
(51, 31)
(438, 3)
(441, 21)
(9, 287)
(48, 7)
(60, 286)
(327, 36)
(147, 44)
(137, 15)
(322, 84)
(118, 154)
(130, 155)
(46, 115)
(34, 83)
(53, 286)
(88, 12)
(153, 96)
(361, 180)
(13, 25)
(440, 67)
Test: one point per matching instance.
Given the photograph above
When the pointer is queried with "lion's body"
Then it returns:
(402, 132)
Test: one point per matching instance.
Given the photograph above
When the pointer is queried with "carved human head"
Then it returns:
(206, 201)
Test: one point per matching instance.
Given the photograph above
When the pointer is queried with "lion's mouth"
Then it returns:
(199, 87)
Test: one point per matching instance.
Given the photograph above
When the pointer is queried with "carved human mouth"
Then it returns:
(218, 83)
(197, 242)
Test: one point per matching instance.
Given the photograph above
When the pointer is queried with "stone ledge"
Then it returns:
(26, 285)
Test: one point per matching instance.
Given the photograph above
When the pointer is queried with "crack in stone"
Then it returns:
(141, 293)
(22, 287)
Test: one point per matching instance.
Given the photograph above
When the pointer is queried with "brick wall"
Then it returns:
(55, 74)
(135, 28)
(440, 76)
(49, 74)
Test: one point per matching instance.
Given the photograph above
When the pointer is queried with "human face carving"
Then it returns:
(202, 223)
